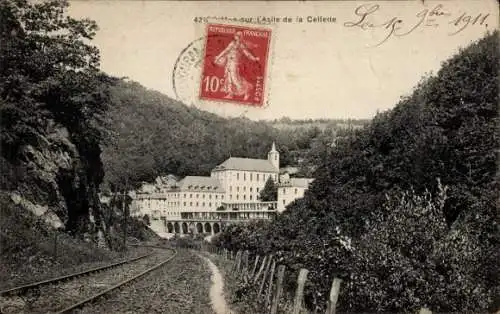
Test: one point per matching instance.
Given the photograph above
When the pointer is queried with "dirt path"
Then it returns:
(219, 304)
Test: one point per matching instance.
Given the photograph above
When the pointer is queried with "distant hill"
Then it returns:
(322, 124)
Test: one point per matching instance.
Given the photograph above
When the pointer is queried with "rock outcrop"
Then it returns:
(58, 180)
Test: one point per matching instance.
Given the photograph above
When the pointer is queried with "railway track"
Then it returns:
(68, 293)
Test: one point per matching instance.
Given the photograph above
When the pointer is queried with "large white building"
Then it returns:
(230, 194)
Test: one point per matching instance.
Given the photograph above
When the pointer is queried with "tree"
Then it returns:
(146, 219)
(270, 191)
(49, 71)
(50, 81)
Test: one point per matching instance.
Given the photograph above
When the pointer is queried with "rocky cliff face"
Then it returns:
(57, 179)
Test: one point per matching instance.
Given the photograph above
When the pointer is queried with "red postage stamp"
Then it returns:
(235, 64)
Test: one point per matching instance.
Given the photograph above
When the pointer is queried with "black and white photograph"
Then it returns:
(249, 157)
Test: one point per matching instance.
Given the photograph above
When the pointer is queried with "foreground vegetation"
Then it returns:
(404, 211)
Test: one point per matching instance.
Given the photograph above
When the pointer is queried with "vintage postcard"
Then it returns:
(249, 156)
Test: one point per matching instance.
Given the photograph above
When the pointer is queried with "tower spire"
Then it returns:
(274, 157)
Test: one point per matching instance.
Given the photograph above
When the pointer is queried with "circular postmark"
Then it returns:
(187, 71)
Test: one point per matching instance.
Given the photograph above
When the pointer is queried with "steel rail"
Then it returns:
(82, 303)
(30, 286)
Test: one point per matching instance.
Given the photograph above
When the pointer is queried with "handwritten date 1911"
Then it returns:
(465, 20)
(396, 26)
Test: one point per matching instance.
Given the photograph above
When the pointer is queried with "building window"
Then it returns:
(283, 202)
(210, 196)
(244, 197)
(222, 196)
(209, 204)
(230, 196)
(190, 195)
(257, 177)
(237, 196)
(257, 190)
(185, 195)
(250, 189)
(244, 188)
(296, 191)
(216, 196)
(197, 195)
(244, 176)
(237, 189)
(203, 195)
(230, 188)
(251, 177)
(237, 175)
(203, 204)
(197, 204)
(190, 203)
(250, 197)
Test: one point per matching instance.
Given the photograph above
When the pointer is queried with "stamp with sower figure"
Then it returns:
(234, 64)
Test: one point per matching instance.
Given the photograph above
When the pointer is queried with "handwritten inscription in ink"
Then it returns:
(394, 26)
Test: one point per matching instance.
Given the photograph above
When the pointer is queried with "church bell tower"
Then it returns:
(274, 157)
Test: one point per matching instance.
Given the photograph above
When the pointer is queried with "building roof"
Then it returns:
(297, 182)
(246, 164)
(200, 184)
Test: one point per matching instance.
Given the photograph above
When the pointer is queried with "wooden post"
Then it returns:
(254, 267)
(244, 270)
(262, 265)
(334, 295)
(238, 261)
(55, 244)
(279, 288)
(299, 293)
(270, 284)
(264, 277)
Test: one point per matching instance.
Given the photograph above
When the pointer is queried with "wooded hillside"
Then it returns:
(154, 135)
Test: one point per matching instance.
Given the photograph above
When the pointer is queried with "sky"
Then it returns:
(340, 67)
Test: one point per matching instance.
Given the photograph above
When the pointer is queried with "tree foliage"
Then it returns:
(49, 71)
(404, 210)
(270, 191)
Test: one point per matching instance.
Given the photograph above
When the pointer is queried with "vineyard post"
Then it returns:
(262, 265)
(299, 293)
(264, 277)
(334, 295)
(55, 244)
(255, 267)
(244, 269)
(238, 261)
(279, 288)
(270, 284)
